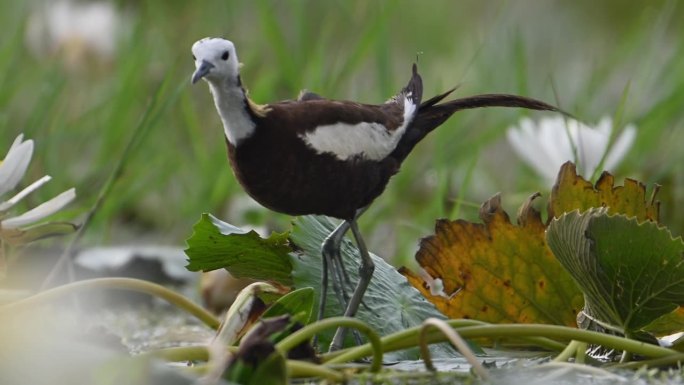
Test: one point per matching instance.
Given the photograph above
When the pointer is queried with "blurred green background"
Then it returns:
(615, 58)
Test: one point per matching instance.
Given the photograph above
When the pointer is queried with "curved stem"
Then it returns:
(456, 340)
(662, 361)
(581, 353)
(296, 369)
(363, 350)
(408, 333)
(409, 338)
(626, 356)
(566, 333)
(307, 369)
(131, 284)
(568, 352)
(301, 335)
(181, 353)
(201, 353)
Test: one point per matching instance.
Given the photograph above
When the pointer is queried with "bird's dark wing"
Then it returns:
(348, 129)
(345, 129)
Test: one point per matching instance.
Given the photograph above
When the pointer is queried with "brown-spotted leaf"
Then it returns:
(572, 192)
(497, 271)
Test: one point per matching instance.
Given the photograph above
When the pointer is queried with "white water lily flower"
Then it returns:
(14, 166)
(547, 144)
(12, 169)
(77, 30)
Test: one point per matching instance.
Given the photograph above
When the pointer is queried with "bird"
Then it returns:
(314, 155)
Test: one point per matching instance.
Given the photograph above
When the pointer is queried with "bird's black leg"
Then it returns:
(331, 251)
(338, 261)
(365, 273)
(332, 262)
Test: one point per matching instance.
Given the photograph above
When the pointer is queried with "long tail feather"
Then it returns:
(495, 100)
(431, 115)
(436, 99)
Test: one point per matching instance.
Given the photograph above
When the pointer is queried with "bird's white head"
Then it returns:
(215, 60)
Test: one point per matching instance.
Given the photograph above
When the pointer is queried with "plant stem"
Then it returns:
(295, 369)
(567, 333)
(307, 369)
(413, 332)
(581, 353)
(301, 335)
(201, 353)
(131, 284)
(662, 361)
(409, 338)
(568, 352)
(455, 339)
(626, 355)
(180, 353)
(332, 357)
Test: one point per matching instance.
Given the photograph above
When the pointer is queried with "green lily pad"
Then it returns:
(215, 244)
(631, 273)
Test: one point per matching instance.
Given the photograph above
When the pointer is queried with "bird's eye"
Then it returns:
(225, 55)
(194, 58)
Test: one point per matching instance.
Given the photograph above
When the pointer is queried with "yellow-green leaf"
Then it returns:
(572, 192)
(497, 271)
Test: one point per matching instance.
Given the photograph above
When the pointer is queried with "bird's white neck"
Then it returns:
(231, 103)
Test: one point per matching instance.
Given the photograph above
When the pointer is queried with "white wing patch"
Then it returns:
(371, 141)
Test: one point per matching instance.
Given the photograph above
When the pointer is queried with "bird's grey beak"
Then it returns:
(201, 71)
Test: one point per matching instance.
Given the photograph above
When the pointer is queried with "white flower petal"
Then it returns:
(605, 126)
(526, 144)
(4, 206)
(14, 166)
(523, 142)
(557, 137)
(76, 29)
(591, 146)
(546, 145)
(17, 141)
(46, 209)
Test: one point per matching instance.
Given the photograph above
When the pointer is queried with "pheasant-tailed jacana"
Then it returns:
(319, 156)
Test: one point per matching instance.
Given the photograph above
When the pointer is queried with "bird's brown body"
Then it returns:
(278, 169)
(326, 187)
(281, 172)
